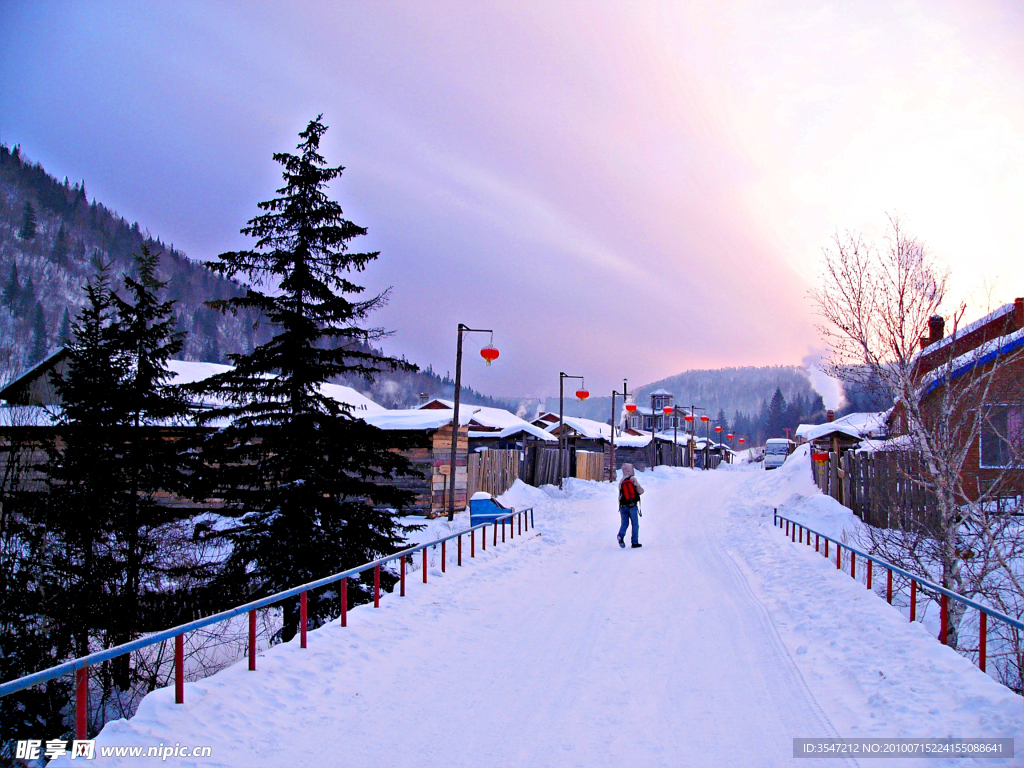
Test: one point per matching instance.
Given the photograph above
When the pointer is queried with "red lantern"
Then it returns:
(489, 353)
(631, 407)
(742, 440)
(582, 394)
(705, 418)
(730, 436)
(688, 417)
(718, 429)
(667, 409)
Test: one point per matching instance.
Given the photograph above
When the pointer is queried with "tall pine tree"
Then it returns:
(27, 231)
(301, 471)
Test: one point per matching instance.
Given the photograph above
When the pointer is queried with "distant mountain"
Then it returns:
(743, 395)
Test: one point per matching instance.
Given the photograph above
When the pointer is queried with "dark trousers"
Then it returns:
(629, 515)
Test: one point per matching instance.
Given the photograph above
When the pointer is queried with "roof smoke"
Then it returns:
(831, 390)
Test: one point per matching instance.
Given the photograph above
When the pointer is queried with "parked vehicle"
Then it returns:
(776, 451)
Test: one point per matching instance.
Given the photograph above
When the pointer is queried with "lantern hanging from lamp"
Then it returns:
(705, 418)
(668, 409)
(582, 394)
(688, 417)
(631, 407)
(718, 429)
(490, 352)
(742, 440)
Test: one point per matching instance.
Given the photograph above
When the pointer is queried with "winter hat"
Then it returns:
(627, 471)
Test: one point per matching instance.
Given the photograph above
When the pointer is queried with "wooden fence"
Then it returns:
(590, 465)
(493, 471)
(879, 487)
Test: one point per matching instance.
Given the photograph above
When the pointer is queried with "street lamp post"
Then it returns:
(707, 438)
(675, 431)
(625, 394)
(489, 354)
(581, 395)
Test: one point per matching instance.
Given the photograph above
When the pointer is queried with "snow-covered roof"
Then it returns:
(960, 333)
(856, 425)
(497, 422)
(414, 419)
(596, 430)
(980, 355)
(190, 372)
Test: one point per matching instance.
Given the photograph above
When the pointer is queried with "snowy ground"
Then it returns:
(715, 644)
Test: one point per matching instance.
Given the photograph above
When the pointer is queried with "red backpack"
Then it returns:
(628, 494)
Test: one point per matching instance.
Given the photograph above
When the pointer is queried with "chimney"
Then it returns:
(1018, 313)
(830, 415)
(424, 398)
(936, 328)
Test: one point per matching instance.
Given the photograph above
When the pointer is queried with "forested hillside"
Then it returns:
(742, 398)
(51, 240)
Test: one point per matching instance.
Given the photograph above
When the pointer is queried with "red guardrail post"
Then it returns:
(483, 538)
(376, 586)
(943, 618)
(443, 552)
(786, 524)
(853, 564)
(817, 540)
(495, 527)
(792, 532)
(424, 565)
(460, 549)
(302, 620)
(870, 571)
(82, 703)
(520, 516)
(179, 669)
(839, 556)
(503, 530)
(913, 600)
(888, 587)
(472, 543)
(252, 640)
(344, 602)
(982, 639)
(826, 547)
(401, 578)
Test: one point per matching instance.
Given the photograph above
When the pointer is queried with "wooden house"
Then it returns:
(27, 417)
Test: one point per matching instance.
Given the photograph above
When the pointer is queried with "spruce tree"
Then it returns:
(27, 231)
(12, 290)
(83, 471)
(39, 346)
(303, 474)
(64, 332)
(114, 460)
(776, 415)
(60, 246)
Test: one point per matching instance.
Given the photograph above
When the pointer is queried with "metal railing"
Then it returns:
(798, 532)
(81, 665)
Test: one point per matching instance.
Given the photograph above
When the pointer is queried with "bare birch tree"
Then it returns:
(876, 304)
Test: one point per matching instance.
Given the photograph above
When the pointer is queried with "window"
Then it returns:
(1002, 436)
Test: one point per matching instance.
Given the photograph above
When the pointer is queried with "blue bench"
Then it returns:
(484, 508)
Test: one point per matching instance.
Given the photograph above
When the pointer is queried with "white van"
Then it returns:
(776, 451)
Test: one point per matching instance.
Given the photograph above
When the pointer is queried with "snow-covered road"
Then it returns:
(715, 644)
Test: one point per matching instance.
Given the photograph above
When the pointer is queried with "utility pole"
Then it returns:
(455, 411)
(625, 394)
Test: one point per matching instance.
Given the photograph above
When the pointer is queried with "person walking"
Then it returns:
(629, 505)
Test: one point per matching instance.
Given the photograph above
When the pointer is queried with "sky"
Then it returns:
(624, 189)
